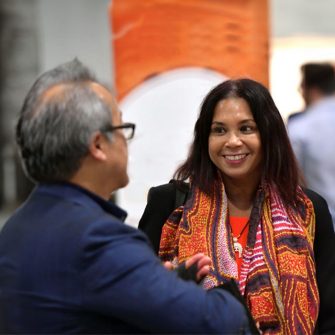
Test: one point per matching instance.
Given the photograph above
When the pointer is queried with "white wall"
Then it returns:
(76, 28)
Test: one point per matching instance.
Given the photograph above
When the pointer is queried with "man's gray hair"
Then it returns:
(54, 130)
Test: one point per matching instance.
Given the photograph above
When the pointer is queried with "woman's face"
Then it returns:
(234, 143)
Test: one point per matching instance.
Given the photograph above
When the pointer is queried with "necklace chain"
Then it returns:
(240, 234)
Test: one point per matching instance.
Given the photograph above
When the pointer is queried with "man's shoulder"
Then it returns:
(70, 213)
(298, 126)
(303, 116)
(294, 116)
(321, 110)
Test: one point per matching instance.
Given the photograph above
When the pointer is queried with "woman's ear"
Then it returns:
(97, 147)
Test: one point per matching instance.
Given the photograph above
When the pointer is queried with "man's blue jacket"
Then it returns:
(68, 264)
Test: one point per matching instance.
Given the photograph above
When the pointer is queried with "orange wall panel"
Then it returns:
(153, 36)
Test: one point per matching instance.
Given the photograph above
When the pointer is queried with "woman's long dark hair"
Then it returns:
(279, 163)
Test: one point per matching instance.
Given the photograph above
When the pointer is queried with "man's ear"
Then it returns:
(315, 94)
(97, 147)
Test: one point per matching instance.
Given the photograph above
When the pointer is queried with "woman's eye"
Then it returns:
(218, 130)
(247, 129)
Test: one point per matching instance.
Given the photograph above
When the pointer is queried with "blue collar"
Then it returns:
(81, 196)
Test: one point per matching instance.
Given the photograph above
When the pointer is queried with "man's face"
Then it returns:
(304, 93)
(117, 149)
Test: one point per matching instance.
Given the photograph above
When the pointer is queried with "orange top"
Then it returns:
(237, 225)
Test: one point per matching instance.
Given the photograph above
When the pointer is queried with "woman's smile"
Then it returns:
(235, 159)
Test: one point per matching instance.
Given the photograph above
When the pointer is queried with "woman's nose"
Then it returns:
(233, 139)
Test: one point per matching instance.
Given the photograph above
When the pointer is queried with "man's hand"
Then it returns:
(168, 265)
(195, 268)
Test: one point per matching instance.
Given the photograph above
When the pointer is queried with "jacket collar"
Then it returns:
(81, 196)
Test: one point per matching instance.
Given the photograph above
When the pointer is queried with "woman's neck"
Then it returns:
(240, 198)
(239, 209)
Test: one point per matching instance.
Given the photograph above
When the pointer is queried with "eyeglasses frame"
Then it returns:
(126, 125)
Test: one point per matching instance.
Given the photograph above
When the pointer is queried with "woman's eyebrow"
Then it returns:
(242, 121)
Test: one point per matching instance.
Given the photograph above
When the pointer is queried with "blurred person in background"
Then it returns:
(312, 133)
(68, 263)
(312, 76)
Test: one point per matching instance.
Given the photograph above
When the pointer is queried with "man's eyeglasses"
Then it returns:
(128, 129)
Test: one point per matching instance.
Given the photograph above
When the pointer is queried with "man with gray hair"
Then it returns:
(68, 263)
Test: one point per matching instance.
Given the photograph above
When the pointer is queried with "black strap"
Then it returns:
(187, 273)
(182, 190)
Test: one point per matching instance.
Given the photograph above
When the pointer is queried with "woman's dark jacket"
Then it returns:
(163, 199)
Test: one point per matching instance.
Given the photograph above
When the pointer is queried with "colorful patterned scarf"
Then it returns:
(277, 278)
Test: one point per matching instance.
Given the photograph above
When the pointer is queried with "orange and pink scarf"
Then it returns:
(277, 276)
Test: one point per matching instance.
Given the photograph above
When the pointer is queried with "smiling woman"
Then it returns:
(234, 145)
(244, 206)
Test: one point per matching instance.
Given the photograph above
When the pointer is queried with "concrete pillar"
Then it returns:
(19, 65)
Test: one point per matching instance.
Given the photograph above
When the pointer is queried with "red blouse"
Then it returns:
(237, 225)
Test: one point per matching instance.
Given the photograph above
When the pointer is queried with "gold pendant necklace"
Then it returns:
(236, 244)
